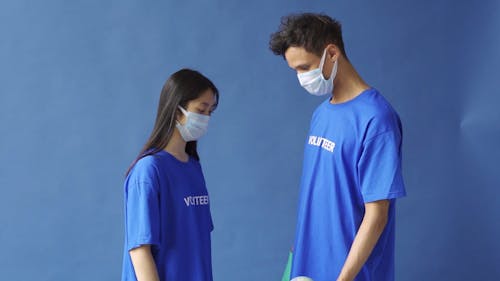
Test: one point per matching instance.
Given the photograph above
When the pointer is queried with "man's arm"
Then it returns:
(369, 232)
(144, 264)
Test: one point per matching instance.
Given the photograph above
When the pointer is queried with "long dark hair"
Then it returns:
(181, 87)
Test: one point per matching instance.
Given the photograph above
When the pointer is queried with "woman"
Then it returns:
(167, 213)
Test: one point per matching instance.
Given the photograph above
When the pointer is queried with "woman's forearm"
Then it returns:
(144, 264)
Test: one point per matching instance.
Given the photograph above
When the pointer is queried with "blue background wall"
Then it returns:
(79, 84)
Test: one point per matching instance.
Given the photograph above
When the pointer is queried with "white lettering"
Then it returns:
(326, 144)
(196, 200)
(312, 140)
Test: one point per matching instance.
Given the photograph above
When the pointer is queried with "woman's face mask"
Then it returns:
(195, 127)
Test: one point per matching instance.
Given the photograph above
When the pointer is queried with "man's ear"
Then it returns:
(333, 52)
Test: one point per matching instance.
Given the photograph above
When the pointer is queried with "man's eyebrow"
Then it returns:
(302, 66)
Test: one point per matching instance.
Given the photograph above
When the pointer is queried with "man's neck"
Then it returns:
(348, 83)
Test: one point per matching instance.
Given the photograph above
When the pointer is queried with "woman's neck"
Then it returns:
(177, 147)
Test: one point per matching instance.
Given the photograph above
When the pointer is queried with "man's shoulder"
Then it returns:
(378, 114)
(374, 105)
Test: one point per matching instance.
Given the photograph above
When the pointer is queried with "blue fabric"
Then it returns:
(167, 206)
(352, 156)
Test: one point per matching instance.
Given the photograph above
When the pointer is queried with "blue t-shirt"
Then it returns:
(352, 156)
(167, 207)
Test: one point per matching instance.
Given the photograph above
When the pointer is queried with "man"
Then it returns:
(352, 160)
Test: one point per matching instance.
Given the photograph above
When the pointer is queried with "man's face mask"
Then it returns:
(314, 82)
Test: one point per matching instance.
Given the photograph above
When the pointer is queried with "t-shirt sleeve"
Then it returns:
(379, 167)
(142, 215)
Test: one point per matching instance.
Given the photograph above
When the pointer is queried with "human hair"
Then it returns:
(313, 32)
(181, 87)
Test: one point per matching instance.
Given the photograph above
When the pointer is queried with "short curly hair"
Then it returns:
(313, 32)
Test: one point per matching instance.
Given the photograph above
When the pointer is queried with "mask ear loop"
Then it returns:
(322, 63)
(185, 112)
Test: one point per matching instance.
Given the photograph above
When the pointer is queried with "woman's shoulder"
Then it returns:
(145, 169)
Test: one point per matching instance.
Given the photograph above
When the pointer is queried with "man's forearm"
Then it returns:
(369, 232)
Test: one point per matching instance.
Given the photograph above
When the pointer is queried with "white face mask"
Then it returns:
(195, 127)
(314, 82)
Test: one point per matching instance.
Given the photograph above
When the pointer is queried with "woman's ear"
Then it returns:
(179, 115)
